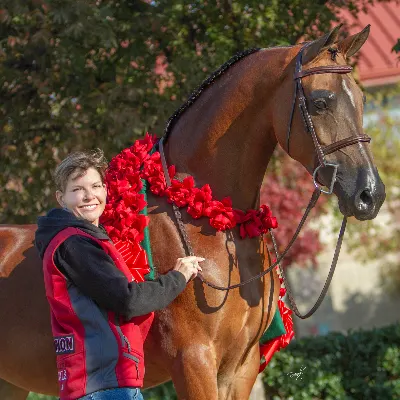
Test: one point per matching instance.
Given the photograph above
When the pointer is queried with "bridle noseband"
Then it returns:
(321, 151)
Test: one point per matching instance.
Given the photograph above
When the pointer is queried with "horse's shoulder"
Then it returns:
(14, 241)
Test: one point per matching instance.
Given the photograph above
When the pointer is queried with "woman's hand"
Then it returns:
(189, 266)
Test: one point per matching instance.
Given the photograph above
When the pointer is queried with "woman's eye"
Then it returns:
(320, 104)
(76, 189)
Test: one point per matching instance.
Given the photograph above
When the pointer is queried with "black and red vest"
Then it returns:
(95, 349)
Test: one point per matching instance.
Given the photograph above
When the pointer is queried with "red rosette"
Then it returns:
(268, 349)
(134, 257)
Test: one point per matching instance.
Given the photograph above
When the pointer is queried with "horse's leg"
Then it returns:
(194, 373)
(238, 385)
(11, 392)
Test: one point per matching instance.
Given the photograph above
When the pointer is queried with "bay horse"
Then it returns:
(206, 341)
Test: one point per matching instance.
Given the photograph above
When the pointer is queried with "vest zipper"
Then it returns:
(121, 334)
(128, 345)
(135, 360)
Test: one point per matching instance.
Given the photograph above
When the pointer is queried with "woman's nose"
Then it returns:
(89, 195)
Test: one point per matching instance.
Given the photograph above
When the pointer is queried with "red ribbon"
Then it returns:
(135, 258)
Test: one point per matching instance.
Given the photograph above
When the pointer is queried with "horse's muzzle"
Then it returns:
(368, 195)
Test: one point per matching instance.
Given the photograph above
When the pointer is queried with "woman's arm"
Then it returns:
(86, 264)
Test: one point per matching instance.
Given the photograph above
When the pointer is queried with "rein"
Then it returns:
(322, 163)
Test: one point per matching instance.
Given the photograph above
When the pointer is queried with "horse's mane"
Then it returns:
(207, 82)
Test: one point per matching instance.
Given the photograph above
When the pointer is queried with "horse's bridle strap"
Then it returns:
(331, 148)
(337, 69)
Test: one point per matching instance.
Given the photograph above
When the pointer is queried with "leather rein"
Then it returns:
(322, 163)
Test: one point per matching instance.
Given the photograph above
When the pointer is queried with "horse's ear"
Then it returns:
(316, 47)
(349, 46)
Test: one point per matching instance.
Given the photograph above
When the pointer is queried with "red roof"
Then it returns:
(377, 64)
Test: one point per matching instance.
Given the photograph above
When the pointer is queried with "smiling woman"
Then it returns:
(80, 185)
(84, 195)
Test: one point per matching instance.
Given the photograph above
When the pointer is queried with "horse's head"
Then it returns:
(327, 127)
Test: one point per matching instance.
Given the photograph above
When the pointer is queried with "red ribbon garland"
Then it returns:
(125, 225)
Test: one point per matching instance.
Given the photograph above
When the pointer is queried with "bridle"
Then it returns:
(308, 124)
(321, 152)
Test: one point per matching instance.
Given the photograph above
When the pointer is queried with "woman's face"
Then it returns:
(84, 196)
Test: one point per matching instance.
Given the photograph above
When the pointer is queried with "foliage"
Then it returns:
(396, 47)
(38, 396)
(360, 366)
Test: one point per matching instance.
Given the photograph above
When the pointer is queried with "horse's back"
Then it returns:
(25, 332)
(15, 241)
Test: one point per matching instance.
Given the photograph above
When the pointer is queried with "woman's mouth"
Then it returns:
(89, 207)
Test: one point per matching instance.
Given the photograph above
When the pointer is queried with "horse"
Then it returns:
(206, 341)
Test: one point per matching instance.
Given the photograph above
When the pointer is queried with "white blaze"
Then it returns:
(348, 91)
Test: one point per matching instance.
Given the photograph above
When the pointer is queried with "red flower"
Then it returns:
(268, 221)
(118, 163)
(153, 173)
(133, 200)
(181, 193)
(133, 177)
(152, 166)
(108, 214)
(199, 202)
(221, 214)
(131, 159)
(113, 233)
(250, 224)
(116, 187)
(142, 147)
(135, 231)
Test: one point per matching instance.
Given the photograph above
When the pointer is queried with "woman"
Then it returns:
(99, 316)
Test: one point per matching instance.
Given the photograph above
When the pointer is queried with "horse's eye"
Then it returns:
(364, 98)
(320, 104)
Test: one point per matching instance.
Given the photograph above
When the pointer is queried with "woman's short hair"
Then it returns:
(80, 162)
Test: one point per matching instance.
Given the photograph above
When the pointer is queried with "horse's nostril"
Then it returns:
(366, 198)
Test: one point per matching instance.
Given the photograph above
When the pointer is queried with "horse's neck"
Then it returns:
(226, 137)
